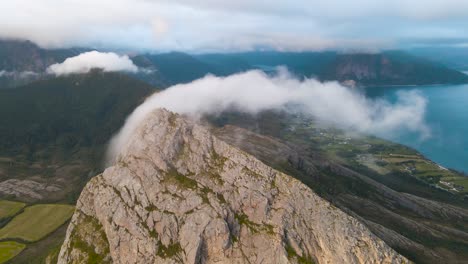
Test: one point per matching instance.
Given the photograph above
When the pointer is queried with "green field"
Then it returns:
(37, 221)
(9, 249)
(9, 208)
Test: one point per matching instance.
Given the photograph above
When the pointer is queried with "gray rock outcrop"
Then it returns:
(179, 194)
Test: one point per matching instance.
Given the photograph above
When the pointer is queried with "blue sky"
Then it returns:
(213, 25)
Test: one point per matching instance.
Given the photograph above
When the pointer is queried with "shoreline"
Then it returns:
(410, 85)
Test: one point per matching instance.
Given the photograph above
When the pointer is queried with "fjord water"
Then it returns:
(447, 117)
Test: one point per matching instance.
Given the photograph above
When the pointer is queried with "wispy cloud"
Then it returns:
(254, 91)
(19, 74)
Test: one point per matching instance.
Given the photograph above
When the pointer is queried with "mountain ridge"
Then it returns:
(179, 194)
(22, 62)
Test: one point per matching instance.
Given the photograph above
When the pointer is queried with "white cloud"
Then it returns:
(4, 73)
(83, 63)
(254, 91)
(19, 74)
(212, 25)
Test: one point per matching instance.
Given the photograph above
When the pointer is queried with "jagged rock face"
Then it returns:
(178, 194)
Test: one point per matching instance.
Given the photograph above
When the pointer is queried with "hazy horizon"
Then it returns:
(212, 26)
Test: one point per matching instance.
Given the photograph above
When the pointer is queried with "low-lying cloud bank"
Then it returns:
(254, 91)
(19, 74)
(83, 63)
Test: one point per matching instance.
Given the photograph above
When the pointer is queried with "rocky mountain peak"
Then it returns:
(179, 194)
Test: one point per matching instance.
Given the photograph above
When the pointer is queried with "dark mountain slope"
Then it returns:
(27, 56)
(226, 64)
(55, 131)
(89, 107)
(389, 68)
(453, 57)
(172, 68)
(307, 64)
(22, 61)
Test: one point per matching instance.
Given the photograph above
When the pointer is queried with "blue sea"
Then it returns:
(447, 117)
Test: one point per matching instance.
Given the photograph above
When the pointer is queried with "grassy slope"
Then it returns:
(10, 208)
(9, 249)
(37, 252)
(37, 221)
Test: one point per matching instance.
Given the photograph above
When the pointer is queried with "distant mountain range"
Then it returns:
(390, 68)
(387, 68)
(23, 62)
(453, 57)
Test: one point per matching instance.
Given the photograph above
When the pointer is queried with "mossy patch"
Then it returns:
(292, 254)
(270, 229)
(243, 219)
(251, 173)
(215, 175)
(204, 194)
(218, 160)
(97, 252)
(151, 208)
(182, 180)
(152, 233)
(234, 239)
(221, 198)
(169, 251)
(172, 120)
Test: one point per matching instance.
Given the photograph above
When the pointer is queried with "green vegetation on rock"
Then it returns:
(98, 251)
(182, 180)
(244, 220)
(169, 251)
(300, 259)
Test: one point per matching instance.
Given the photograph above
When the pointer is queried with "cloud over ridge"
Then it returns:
(254, 91)
(84, 62)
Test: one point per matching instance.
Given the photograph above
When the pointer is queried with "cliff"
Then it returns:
(179, 194)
